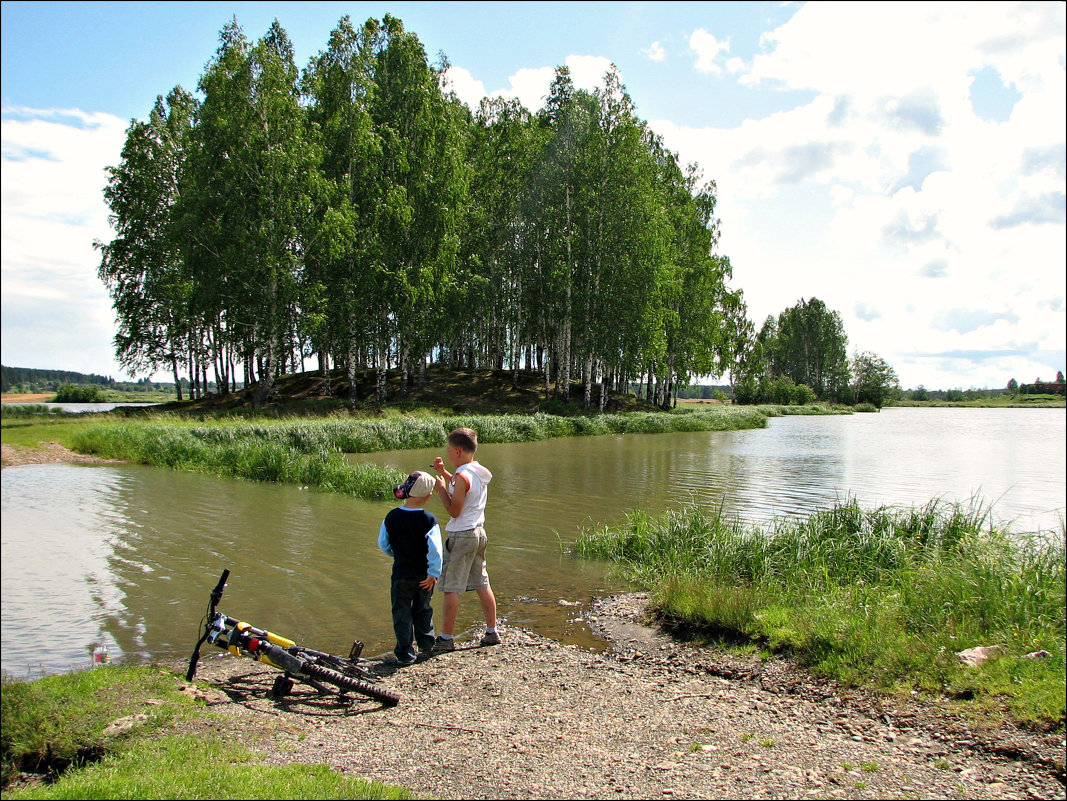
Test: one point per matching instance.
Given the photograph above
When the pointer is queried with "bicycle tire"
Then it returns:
(345, 683)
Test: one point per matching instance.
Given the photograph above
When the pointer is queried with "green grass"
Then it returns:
(62, 717)
(30, 410)
(310, 452)
(999, 401)
(882, 598)
(62, 714)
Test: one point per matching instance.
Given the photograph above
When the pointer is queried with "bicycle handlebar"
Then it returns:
(216, 596)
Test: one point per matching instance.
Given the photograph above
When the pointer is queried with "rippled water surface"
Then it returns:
(125, 556)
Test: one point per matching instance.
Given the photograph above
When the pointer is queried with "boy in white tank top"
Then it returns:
(464, 494)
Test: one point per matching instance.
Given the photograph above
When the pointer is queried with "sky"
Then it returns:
(905, 163)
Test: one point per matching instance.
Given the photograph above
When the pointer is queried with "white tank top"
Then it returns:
(473, 514)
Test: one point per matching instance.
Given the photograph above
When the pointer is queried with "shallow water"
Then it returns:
(126, 556)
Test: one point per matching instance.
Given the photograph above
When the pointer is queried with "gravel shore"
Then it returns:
(650, 717)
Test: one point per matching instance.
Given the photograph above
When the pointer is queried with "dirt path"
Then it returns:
(47, 453)
(650, 718)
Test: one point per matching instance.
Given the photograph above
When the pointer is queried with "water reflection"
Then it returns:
(127, 555)
(58, 589)
(83, 408)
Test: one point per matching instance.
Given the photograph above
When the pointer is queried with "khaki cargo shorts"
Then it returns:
(464, 561)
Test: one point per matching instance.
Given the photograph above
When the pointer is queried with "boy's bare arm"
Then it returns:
(453, 503)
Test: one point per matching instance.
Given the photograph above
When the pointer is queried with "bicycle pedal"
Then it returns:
(357, 649)
(283, 685)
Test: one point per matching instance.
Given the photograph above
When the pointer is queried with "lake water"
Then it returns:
(81, 408)
(125, 556)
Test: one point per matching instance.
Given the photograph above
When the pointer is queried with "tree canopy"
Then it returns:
(357, 211)
(805, 345)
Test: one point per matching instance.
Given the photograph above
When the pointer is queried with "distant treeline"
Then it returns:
(27, 379)
(1039, 387)
(1013, 389)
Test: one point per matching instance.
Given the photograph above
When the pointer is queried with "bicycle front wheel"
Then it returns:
(350, 685)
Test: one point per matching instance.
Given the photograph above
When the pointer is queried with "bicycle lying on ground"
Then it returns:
(306, 665)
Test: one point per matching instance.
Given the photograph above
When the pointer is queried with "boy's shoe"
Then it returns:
(490, 638)
(408, 662)
(441, 645)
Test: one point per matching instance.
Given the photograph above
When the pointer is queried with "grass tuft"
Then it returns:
(56, 726)
(883, 597)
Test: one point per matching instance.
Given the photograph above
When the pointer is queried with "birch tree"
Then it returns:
(142, 266)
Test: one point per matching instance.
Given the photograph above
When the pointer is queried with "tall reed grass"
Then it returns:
(884, 595)
(310, 453)
(219, 451)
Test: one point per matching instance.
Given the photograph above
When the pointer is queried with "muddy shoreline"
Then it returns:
(47, 453)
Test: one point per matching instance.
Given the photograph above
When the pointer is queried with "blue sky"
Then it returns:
(904, 162)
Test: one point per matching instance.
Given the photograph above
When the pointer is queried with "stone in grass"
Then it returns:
(976, 657)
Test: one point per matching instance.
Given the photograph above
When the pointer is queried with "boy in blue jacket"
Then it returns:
(412, 537)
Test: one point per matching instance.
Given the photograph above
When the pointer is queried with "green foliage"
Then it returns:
(183, 766)
(62, 715)
(879, 597)
(24, 379)
(9, 410)
(311, 453)
(357, 212)
(290, 455)
(874, 381)
(63, 719)
(77, 393)
(805, 346)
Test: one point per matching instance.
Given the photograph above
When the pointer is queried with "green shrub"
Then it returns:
(77, 393)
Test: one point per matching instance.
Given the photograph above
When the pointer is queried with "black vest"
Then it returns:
(407, 530)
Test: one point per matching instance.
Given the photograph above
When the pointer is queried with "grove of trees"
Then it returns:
(802, 356)
(357, 212)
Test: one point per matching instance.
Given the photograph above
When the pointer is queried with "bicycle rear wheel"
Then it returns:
(350, 685)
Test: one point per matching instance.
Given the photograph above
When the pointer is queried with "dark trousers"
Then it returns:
(412, 617)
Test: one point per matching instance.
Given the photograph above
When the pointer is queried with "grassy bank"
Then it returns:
(881, 598)
(998, 402)
(311, 452)
(59, 727)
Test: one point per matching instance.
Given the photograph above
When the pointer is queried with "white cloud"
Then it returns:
(888, 197)
(529, 85)
(708, 49)
(655, 52)
(588, 71)
(466, 87)
(52, 191)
